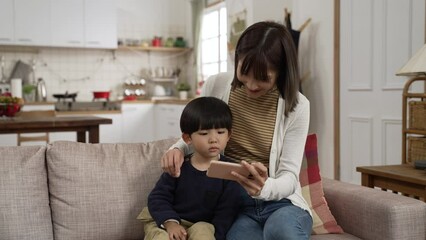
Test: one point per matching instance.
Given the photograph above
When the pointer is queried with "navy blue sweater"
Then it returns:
(195, 197)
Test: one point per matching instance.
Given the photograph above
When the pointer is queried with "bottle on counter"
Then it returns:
(41, 93)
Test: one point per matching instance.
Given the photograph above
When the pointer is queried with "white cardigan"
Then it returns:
(287, 148)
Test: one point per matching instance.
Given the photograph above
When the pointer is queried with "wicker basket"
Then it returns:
(416, 149)
(417, 115)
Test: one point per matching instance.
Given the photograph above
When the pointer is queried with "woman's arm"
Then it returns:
(172, 160)
(285, 179)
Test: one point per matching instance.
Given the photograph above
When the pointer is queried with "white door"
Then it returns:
(377, 37)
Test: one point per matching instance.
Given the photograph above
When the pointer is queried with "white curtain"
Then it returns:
(197, 20)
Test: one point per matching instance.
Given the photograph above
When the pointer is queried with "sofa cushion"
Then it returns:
(24, 198)
(310, 180)
(371, 213)
(97, 190)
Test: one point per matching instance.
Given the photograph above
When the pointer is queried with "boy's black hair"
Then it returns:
(205, 113)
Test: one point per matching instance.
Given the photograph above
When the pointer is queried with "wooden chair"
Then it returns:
(36, 137)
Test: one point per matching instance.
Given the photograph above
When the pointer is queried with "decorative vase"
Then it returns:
(183, 95)
(29, 97)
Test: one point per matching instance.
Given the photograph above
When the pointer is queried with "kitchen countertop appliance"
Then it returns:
(41, 93)
(66, 96)
(101, 95)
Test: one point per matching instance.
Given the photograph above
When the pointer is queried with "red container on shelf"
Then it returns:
(156, 42)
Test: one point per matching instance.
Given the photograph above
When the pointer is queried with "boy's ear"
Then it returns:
(187, 138)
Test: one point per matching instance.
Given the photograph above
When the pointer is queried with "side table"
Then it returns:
(403, 178)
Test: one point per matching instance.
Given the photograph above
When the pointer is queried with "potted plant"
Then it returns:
(28, 91)
(183, 89)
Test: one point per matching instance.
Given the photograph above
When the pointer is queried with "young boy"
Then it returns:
(195, 206)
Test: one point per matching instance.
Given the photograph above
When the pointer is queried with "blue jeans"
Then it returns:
(269, 220)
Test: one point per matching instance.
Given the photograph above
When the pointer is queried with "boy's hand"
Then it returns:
(175, 231)
(171, 162)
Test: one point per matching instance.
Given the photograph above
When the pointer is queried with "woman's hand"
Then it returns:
(255, 182)
(171, 162)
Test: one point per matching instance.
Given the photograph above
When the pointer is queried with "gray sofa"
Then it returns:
(70, 190)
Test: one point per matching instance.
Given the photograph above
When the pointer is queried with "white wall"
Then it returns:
(316, 56)
(87, 70)
(270, 10)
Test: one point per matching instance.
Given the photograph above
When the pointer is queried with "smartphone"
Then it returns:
(222, 170)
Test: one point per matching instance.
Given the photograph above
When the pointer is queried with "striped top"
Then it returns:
(253, 125)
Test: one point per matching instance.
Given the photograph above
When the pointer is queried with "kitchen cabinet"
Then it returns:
(145, 122)
(25, 22)
(37, 107)
(67, 18)
(84, 23)
(101, 24)
(6, 22)
(32, 22)
(138, 122)
(8, 140)
(167, 120)
(111, 133)
(59, 23)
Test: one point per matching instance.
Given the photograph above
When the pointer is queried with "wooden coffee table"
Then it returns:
(404, 179)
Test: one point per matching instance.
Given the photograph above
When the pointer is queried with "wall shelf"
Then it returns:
(154, 49)
(164, 79)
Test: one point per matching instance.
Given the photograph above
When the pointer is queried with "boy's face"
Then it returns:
(208, 143)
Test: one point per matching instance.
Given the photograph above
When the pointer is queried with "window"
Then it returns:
(214, 39)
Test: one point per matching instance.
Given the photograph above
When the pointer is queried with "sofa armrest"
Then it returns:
(374, 214)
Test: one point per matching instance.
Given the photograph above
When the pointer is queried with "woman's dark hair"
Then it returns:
(205, 113)
(266, 45)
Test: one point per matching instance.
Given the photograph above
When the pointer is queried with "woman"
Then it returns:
(271, 120)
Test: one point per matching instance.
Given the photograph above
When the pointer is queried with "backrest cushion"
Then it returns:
(97, 190)
(24, 197)
(310, 180)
